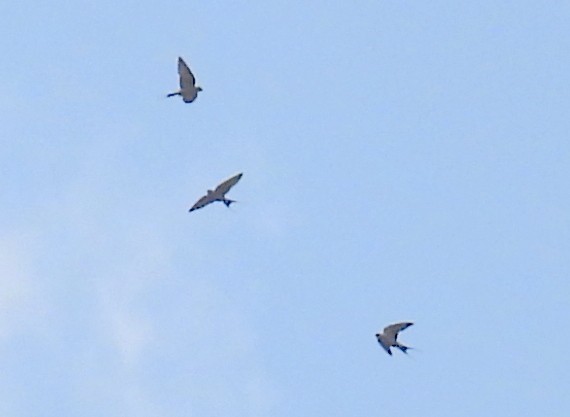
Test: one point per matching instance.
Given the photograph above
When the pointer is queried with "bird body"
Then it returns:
(389, 336)
(188, 89)
(219, 194)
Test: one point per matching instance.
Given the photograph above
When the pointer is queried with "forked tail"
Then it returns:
(404, 348)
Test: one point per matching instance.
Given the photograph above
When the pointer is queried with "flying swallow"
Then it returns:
(389, 336)
(188, 89)
(219, 194)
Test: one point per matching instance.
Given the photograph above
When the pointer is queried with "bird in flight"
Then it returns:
(219, 194)
(188, 89)
(389, 336)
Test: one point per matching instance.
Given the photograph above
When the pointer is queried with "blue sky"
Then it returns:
(402, 161)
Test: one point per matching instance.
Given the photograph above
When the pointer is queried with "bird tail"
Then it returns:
(228, 202)
(174, 94)
(404, 348)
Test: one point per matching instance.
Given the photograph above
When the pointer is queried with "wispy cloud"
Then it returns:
(21, 304)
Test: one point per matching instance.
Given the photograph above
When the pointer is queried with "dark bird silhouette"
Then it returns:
(188, 89)
(389, 336)
(219, 194)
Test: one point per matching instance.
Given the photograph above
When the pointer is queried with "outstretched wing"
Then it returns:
(187, 79)
(381, 343)
(225, 186)
(204, 201)
(393, 329)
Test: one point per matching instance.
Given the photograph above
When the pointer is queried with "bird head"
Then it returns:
(198, 88)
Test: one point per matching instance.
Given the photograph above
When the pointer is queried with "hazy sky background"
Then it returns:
(402, 161)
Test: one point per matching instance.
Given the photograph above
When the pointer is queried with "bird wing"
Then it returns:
(203, 201)
(225, 186)
(187, 79)
(381, 343)
(393, 329)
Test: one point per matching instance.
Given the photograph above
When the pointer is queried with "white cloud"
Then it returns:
(20, 303)
(261, 394)
(130, 334)
(123, 290)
